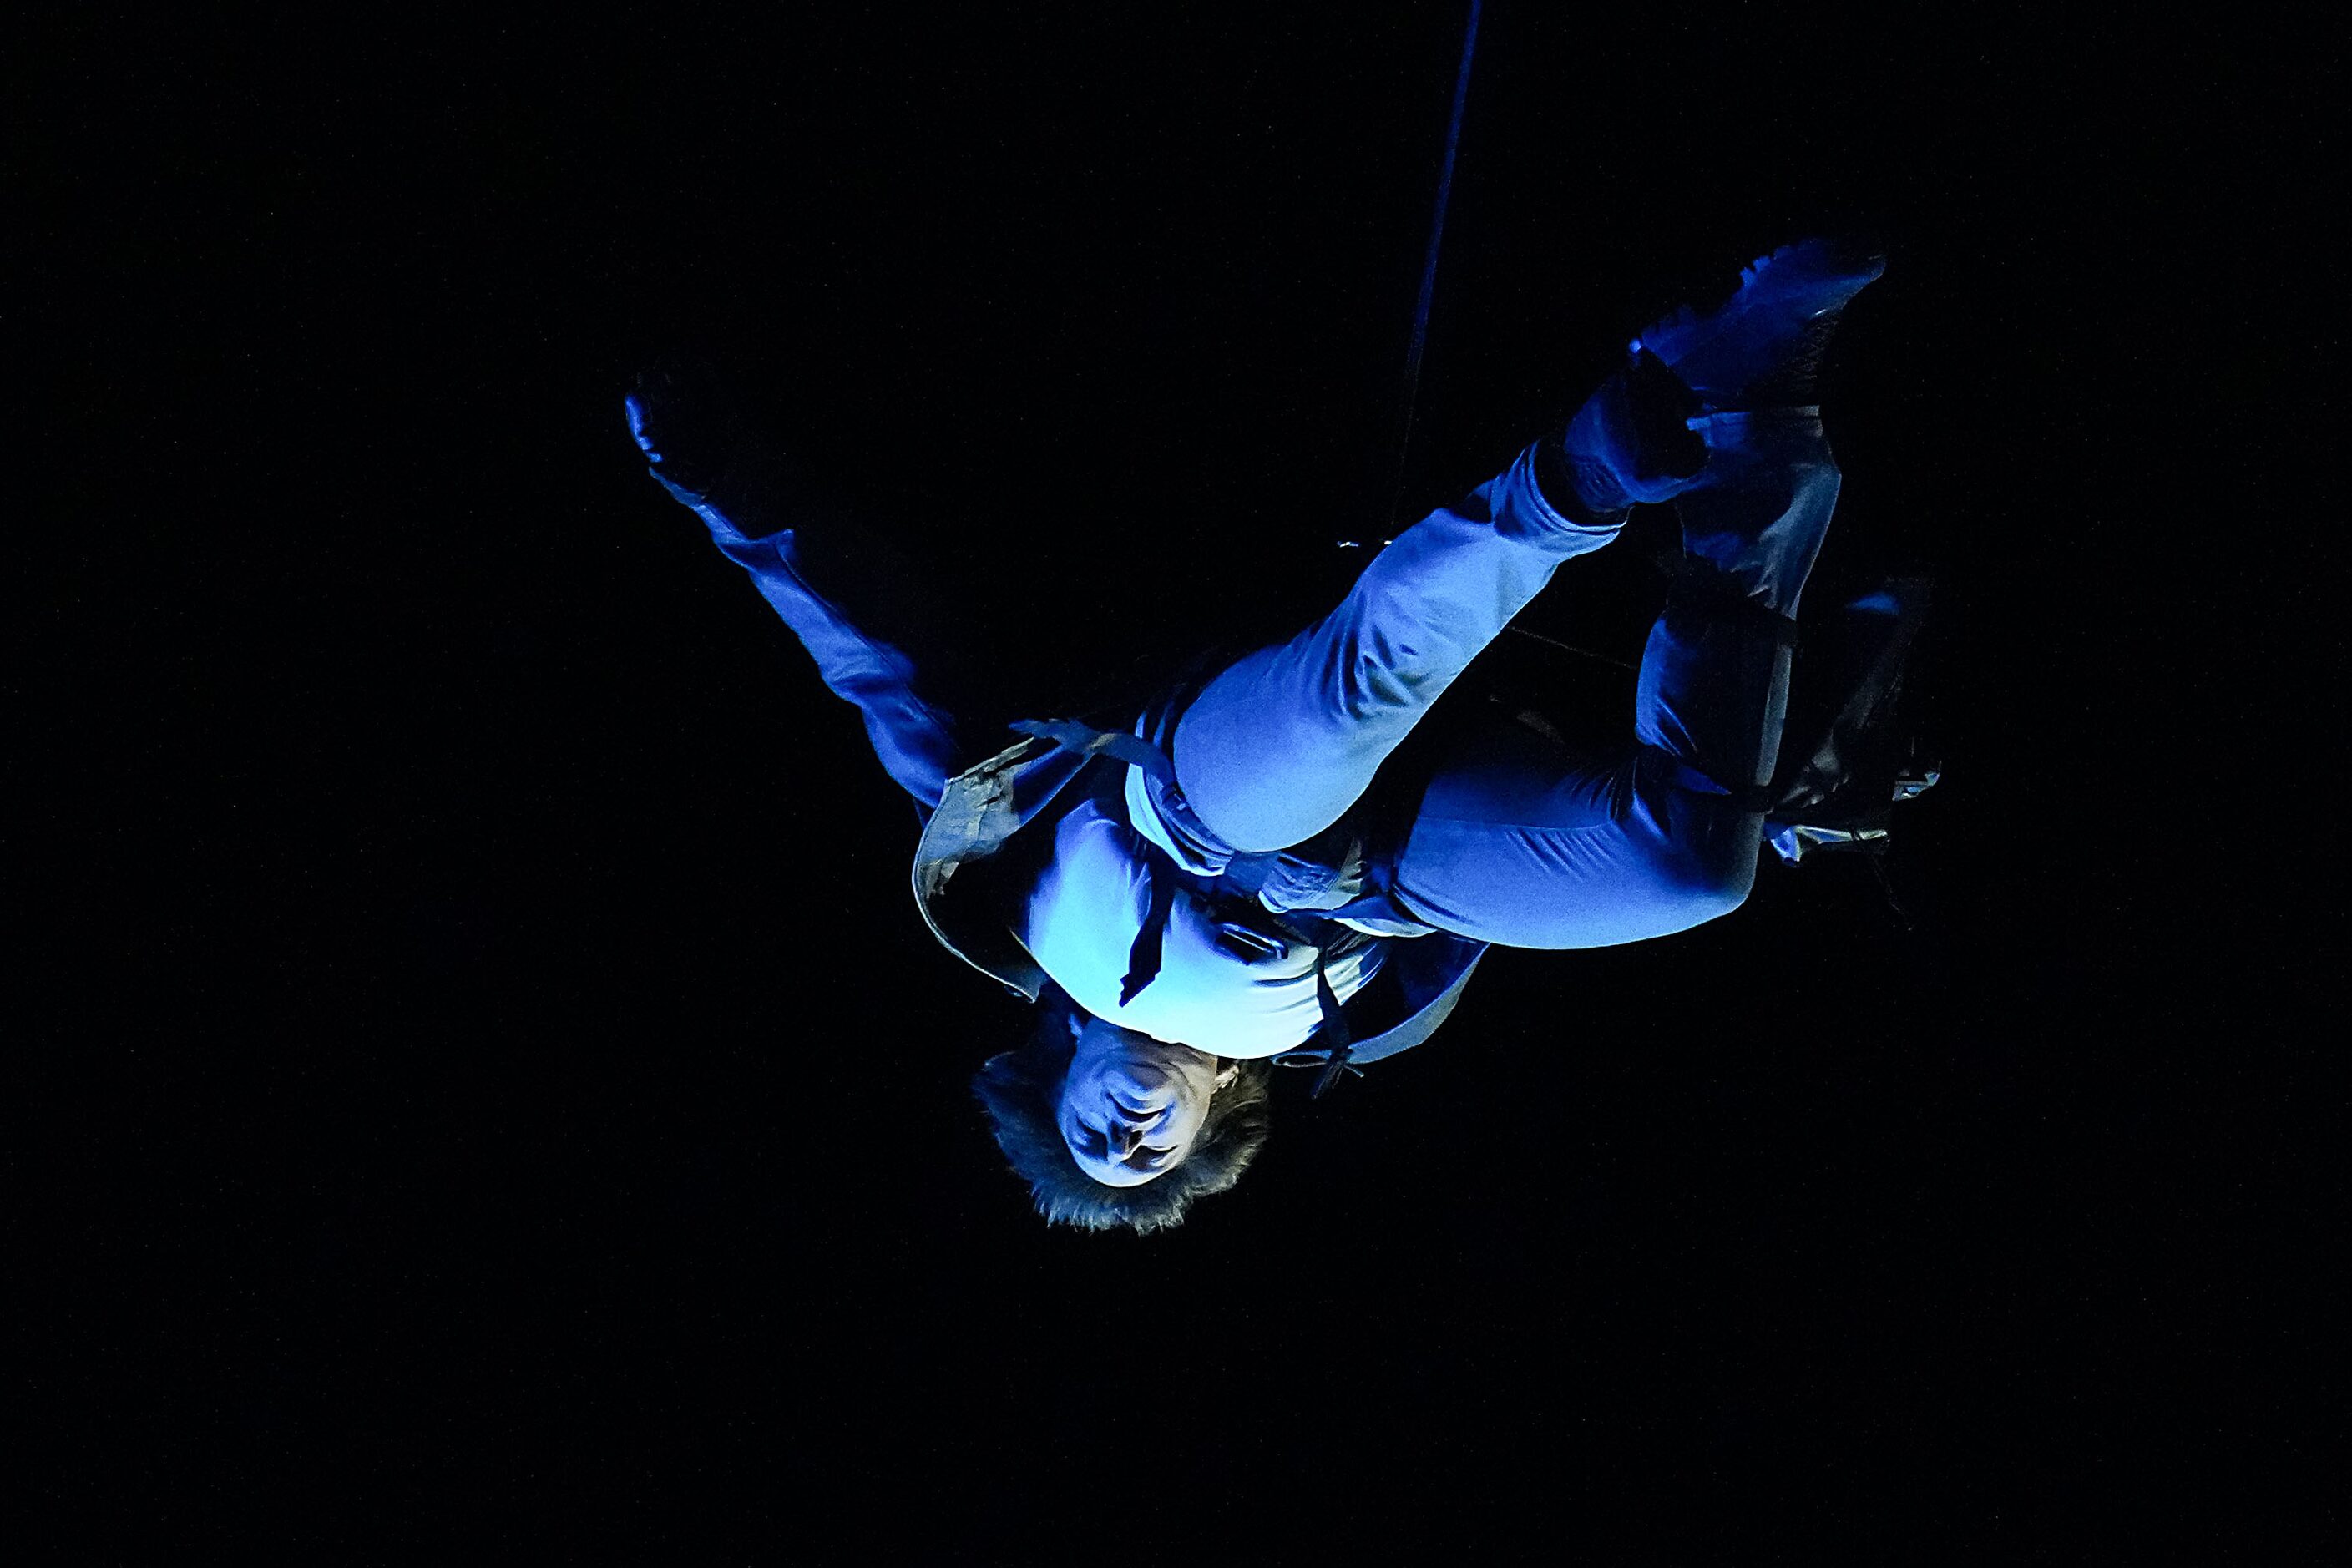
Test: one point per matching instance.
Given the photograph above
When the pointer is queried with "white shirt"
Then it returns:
(1222, 988)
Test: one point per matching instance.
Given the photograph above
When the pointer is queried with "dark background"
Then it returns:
(487, 1080)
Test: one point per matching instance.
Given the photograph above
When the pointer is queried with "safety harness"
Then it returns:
(1239, 887)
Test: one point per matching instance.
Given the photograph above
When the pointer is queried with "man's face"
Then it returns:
(1132, 1105)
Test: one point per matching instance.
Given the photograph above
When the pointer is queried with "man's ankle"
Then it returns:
(1579, 490)
(1630, 441)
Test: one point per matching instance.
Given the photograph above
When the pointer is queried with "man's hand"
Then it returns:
(686, 425)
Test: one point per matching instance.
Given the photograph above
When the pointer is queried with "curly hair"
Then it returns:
(1019, 1089)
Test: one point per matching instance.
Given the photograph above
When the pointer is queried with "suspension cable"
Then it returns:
(1429, 262)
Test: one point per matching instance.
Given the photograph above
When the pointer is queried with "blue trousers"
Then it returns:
(1520, 840)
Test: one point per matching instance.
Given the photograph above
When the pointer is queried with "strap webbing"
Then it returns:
(1085, 741)
(1336, 1036)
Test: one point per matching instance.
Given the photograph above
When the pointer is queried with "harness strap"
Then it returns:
(1340, 1043)
(1697, 588)
(1337, 1037)
(1145, 954)
(1085, 741)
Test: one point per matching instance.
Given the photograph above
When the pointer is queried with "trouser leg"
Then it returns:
(1284, 740)
(1529, 841)
(1712, 692)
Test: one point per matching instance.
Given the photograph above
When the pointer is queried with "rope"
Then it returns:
(1429, 263)
(1570, 647)
(1420, 339)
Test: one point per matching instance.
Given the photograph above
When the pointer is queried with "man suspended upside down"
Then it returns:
(1229, 878)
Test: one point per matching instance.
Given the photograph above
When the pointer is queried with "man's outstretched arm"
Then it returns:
(832, 583)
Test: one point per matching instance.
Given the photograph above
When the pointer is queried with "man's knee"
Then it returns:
(1707, 880)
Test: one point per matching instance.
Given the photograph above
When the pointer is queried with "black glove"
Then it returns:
(687, 424)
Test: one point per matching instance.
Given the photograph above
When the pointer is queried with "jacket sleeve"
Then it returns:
(859, 607)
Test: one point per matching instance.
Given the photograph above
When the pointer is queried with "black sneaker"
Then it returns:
(1762, 347)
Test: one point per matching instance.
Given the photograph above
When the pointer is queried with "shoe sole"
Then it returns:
(1816, 276)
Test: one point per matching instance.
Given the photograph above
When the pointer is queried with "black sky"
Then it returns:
(489, 1078)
